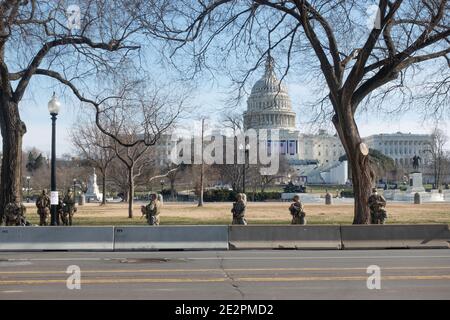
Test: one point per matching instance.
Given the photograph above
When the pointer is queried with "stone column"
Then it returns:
(417, 198)
(328, 198)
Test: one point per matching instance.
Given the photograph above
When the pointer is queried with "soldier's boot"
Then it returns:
(66, 218)
(302, 220)
(70, 219)
(42, 219)
(373, 218)
(382, 218)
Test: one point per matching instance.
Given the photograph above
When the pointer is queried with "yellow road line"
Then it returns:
(217, 270)
(243, 279)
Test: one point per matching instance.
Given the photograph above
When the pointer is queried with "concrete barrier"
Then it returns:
(284, 237)
(395, 236)
(171, 238)
(224, 237)
(56, 238)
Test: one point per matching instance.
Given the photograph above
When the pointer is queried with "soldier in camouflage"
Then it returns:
(59, 210)
(15, 214)
(69, 208)
(152, 210)
(239, 208)
(377, 204)
(43, 208)
(297, 211)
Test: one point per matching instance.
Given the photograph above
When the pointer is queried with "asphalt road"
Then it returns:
(405, 274)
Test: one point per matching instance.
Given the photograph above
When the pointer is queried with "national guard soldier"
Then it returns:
(152, 210)
(239, 208)
(69, 208)
(377, 204)
(43, 207)
(60, 210)
(15, 214)
(297, 212)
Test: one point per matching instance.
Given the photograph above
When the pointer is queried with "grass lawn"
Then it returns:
(257, 213)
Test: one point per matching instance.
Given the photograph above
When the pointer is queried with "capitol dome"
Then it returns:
(269, 105)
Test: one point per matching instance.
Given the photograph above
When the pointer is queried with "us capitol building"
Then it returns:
(313, 157)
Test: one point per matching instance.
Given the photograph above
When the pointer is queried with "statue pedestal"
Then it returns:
(93, 194)
(415, 182)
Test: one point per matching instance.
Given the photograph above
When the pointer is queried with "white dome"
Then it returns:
(269, 105)
(269, 82)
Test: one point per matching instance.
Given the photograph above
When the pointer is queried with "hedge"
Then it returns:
(229, 195)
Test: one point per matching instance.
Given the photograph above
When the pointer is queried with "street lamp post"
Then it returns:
(28, 189)
(53, 107)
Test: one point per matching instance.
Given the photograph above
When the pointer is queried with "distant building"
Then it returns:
(401, 147)
(269, 107)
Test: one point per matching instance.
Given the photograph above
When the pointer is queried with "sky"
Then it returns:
(208, 99)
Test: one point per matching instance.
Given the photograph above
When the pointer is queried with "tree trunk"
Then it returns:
(172, 189)
(130, 192)
(362, 173)
(12, 130)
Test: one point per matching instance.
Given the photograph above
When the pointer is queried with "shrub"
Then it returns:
(222, 195)
(347, 194)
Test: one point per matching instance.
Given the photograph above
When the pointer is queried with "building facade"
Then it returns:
(401, 147)
(269, 107)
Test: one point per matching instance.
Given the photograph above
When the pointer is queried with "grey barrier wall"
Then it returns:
(171, 238)
(56, 238)
(224, 237)
(285, 237)
(395, 236)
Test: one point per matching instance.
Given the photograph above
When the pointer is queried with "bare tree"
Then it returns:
(119, 180)
(94, 146)
(173, 173)
(437, 153)
(361, 64)
(134, 158)
(72, 45)
(232, 173)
